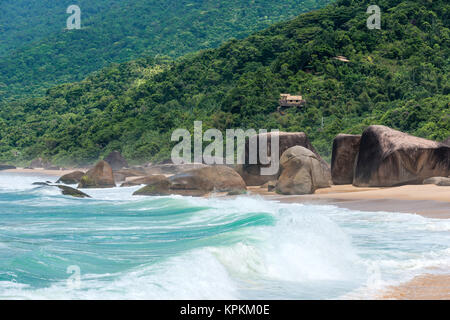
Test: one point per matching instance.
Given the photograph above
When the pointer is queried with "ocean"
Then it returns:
(116, 246)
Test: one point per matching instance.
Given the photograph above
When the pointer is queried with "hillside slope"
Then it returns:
(36, 52)
(397, 76)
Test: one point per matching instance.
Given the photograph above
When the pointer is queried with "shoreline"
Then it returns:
(423, 287)
(430, 201)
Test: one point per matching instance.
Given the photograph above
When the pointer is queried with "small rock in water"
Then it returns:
(68, 191)
(40, 184)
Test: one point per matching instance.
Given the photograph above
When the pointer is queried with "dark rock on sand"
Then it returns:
(345, 151)
(301, 172)
(198, 182)
(116, 160)
(6, 167)
(71, 178)
(388, 157)
(251, 173)
(439, 181)
(143, 180)
(101, 176)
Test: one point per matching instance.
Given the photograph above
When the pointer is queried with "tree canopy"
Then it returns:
(397, 76)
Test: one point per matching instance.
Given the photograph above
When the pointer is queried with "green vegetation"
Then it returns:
(37, 53)
(397, 76)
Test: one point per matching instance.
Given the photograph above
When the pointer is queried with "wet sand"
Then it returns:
(425, 287)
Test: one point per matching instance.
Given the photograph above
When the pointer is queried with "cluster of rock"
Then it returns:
(301, 169)
(251, 173)
(384, 157)
(196, 182)
(380, 157)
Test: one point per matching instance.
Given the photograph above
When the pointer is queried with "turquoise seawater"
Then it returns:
(127, 247)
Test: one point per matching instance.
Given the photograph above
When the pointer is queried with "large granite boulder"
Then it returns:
(388, 157)
(116, 161)
(71, 178)
(101, 176)
(198, 182)
(143, 180)
(439, 181)
(345, 150)
(251, 173)
(301, 172)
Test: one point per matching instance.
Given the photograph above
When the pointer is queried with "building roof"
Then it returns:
(342, 58)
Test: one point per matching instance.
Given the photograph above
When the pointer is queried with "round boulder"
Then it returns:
(301, 172)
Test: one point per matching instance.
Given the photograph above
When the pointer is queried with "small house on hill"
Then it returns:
(342, 58)
(286, 100)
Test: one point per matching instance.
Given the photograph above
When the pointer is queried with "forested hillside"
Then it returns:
(36, 52)
(397, 76)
